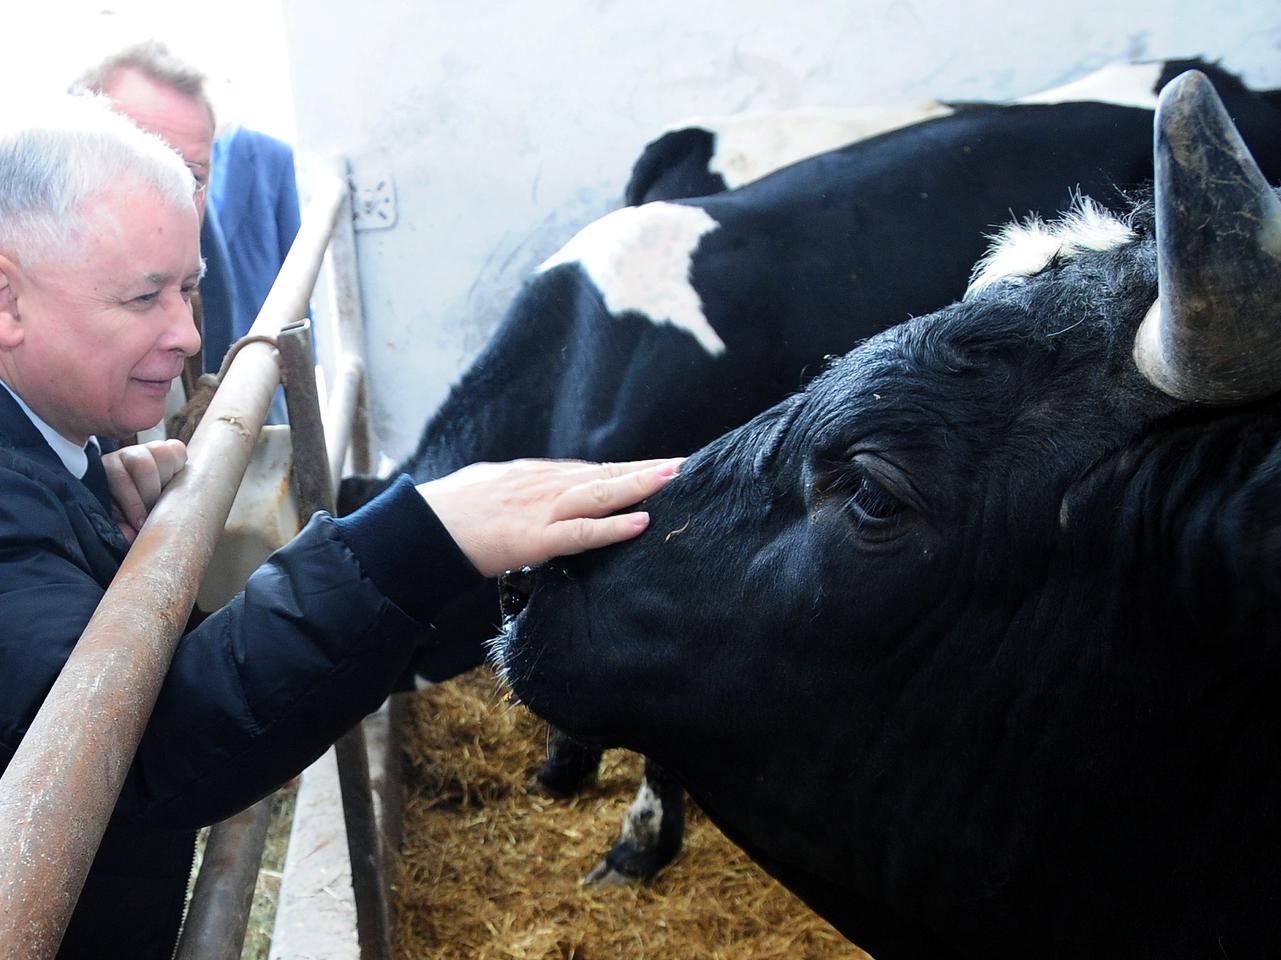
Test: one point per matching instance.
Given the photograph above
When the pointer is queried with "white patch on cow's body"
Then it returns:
(1023, 249)
(644, 817)
(1121, 84)
(751, 145)
(639, 258)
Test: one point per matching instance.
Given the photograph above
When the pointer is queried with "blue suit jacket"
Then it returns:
(254, 196)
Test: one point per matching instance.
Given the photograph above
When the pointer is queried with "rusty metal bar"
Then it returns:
(316, 492)
(362, 441)
(219, 913)
(63, 781)
(307, 429)
(364, 847)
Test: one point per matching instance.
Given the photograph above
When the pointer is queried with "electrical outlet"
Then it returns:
(373, 202)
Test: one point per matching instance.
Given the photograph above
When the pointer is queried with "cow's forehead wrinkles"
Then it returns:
(1003, 398)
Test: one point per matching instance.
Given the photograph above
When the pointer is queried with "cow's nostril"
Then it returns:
(514, 590)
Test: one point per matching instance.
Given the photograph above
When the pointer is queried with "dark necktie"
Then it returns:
(95, 477)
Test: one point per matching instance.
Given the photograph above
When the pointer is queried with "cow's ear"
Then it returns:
(10, 321)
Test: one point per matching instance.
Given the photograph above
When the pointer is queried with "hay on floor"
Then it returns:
(491, 870)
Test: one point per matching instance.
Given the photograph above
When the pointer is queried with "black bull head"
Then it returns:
(974, 643)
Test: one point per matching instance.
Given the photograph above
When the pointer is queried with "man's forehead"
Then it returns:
(135, 234)
(137, 274)
(179, 118)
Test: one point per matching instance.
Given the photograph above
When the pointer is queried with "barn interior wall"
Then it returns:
(505, 126)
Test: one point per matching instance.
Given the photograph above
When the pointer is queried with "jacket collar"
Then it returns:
(19, 433)
(20, 436)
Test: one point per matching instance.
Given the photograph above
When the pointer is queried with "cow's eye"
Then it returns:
(869, 500)
(862, 497)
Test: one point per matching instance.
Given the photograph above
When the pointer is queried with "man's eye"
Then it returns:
(147, 298)
(188, 291)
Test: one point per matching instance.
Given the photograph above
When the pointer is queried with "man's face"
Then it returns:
(181, 121)
(92, 340)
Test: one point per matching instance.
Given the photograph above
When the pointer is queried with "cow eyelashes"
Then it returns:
(870, 503)
(873, 503)
(862, 497)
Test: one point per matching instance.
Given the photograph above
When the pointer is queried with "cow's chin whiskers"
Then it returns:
(497, 651)
(500, 656)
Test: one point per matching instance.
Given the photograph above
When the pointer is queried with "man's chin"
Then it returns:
(142, 416)
(149, 398)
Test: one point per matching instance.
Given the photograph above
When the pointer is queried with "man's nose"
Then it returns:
(181, 333)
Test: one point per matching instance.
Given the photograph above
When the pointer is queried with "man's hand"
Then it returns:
(136, 475)
(509, 515)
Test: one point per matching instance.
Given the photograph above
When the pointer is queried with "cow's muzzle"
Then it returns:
(515, 587)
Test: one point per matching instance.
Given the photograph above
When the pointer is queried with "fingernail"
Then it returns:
(640, 520)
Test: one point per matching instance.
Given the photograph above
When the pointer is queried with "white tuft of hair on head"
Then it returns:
(1025, 248)
(57, 154)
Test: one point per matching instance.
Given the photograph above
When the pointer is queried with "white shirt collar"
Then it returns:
(73, 457)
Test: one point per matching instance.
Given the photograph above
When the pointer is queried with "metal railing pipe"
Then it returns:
(59, 789)
(289, 296)
(348, 334)
(340, 417)
(224, 893)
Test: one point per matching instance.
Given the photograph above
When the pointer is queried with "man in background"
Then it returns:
(165, 96)
(253, 195)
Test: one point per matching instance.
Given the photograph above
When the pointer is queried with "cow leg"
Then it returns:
(652, 831)
(569, 768)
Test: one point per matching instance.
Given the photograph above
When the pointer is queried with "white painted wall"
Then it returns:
(507, 125)
(239, 46)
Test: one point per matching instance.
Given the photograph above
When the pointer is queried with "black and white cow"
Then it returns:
(659, 327)
(705, 155)
(976, 643)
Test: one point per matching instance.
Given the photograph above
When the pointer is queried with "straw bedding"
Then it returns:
(492, 870)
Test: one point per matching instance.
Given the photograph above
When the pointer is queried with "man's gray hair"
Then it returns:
(59, 153)
(153, 60)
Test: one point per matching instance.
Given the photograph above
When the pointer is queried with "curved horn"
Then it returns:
(1214, 334)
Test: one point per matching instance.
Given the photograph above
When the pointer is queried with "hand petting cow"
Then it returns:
(975, 643)
(661, 326)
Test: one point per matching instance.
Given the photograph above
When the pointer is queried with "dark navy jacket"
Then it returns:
(255, 692)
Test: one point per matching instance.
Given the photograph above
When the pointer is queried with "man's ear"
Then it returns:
(10, 320)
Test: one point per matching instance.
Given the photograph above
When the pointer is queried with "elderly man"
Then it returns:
(165, 96)
(98, 261)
